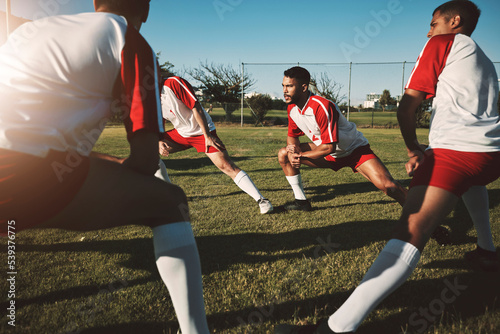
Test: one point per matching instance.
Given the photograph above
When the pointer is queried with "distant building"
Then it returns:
(372, 101)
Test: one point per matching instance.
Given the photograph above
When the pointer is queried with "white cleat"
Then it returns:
(265, 206)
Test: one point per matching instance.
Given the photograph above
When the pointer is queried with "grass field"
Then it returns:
(258, 271)
(362, 119)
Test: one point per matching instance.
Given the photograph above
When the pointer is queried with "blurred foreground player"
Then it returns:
(463, 156)
(61, 79)
(193, 127)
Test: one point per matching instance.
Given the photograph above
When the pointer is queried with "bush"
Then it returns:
(260, 104)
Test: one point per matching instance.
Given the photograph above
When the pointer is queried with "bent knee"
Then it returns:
(283, 155)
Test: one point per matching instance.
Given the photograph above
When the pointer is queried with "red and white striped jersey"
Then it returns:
(62, 76)
(323, 123)
(177, 102)
(464, 83)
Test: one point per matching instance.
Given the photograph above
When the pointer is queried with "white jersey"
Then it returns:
(463, 81)
(323, 123)
(62, 75)
(177, 102)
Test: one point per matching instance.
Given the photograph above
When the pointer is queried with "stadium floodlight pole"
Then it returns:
(242, 90)
(349, 92)
(7, 16)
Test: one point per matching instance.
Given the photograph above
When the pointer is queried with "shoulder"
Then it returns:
(321, 102)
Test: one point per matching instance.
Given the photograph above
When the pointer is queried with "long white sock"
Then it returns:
(477, 203)
(297, 186)
(178, 262)
(161, 173)
(392, 267)
(246, 184)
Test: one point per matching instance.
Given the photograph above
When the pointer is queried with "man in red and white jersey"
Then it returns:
(335, 142)
(193, 127)
(61, 78)
(462, 157)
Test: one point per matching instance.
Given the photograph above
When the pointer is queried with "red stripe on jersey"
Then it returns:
(183, 90)
(430, 64)
(327, 119)
(139, 75)
(293, 129)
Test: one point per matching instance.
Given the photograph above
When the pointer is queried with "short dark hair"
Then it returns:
(127, 8)
(301, 74)
(467, 10)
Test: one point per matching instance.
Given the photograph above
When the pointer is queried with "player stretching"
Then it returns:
(193, 127)
(61, 78)
(336, 143)
(463, 156)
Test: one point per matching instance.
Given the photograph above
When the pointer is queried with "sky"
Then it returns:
(284, 33)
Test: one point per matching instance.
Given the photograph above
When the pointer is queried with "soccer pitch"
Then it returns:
(258, 270)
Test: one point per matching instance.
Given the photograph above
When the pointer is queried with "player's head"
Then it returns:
(295, 84)
(456, 16)
(131, 9)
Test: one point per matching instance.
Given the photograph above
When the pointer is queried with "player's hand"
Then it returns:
(163, 148)
(292, 149)
(416, 158)
(294, 159)
(214, 142)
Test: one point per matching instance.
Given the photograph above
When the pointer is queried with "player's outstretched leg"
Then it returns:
(222, 161)
(485, 255)
(132, 198)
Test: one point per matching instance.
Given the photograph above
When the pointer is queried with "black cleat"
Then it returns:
(485, 260)
(442, 236)
(300, 205)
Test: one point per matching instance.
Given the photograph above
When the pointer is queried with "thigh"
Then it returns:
(424, 209)
(374, 170)
(316, 163)
(114, 195)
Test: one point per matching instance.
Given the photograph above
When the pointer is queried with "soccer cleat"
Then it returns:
(319, 328)
(442, 236)
(265, 206)
(299, 204)
(486, 260)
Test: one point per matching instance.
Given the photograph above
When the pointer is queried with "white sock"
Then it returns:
(477, 203)
(178, 262)
(245, 183)
(297, 186)
(161, 173)
(392, 267)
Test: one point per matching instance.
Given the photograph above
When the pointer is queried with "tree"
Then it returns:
(221, 83)
(326, 87)
(386, 99)
(166, 69)
(423, 115)
(260, 104)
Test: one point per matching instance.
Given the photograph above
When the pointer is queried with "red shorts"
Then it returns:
(456, 171)
(353, 160)
(34, 189)
(198, 142)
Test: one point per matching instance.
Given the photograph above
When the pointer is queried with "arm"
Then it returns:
(199, 116)
(407, 124)
(143, 153)
(295, 155)
(319, 151)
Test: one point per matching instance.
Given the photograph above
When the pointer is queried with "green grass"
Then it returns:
(362, 119)
(258, 271)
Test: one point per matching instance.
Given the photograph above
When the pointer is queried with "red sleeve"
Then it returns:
(327, 117)
(293, 129)
(140, 86)
(430, 64)
(183, 90)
